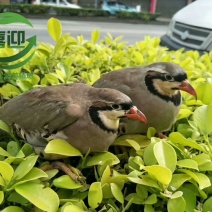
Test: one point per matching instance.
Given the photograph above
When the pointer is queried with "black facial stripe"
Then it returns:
(93, 111)
(157, 75)
(175, 99)
(124, 106)
(180, 77)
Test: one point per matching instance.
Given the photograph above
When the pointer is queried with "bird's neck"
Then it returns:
(100, 118)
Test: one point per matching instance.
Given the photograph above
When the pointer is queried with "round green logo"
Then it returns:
(15, 39)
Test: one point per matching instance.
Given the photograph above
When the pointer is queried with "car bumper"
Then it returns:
(166, 41)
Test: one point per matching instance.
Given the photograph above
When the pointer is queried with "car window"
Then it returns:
(111, 3)
(121, 5)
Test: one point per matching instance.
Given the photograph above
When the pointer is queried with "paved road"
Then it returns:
(132, 32)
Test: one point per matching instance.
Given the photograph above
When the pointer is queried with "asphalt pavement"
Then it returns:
(111, 19)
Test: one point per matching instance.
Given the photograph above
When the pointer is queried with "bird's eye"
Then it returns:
(115, 106)
(169, 77)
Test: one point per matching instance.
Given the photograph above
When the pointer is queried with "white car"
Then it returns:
(62, 3)
(191, 28)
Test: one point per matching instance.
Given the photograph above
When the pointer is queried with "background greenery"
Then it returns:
(82, 12)
(138, 173)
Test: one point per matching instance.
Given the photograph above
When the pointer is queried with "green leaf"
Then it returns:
(13, 148)
(184, 113)
(136, 160)
(152, 199)
(149, 156)
(190, 198)
(202, 158)
(33, 174)
(177, 194)
(1, 197)
(186, 130)
(5, 127)
(2, 183)
(176, 205)
(60, 75)
(206, 167)
(102, 168)
(73, 208)
(116, 191)
(165, 155)
(178, 180)
(100, 158)
(4, 153)
(138, 57)
(106, 191)
(50, 174)
(6, 171)
(66, 182)
(132, 140)
(95, 195)
(200, 178)
(12, 209)
(27, 149)
(61, 147)
(133, 144)
(142, 192)
(162, 174)
(203, 119)
(44, 198)
(24, 167)
(151, 132)
(207, 206)
(54, 28)
(17, 198)
(188, 163)
(24, 85)
(177, 138)
(149, 208)
(9, 90)
(106, 175)
(134, 198)
(145, 180)
(203, 92)
(51, 78)
(118, 178)
(95, 36)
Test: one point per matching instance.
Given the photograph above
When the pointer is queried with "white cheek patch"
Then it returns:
(165, 87)
(111, 118)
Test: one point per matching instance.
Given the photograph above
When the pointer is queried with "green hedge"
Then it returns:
(79, 12)
(140, 15)
(139, 173)
(24, 8)
(83, 12)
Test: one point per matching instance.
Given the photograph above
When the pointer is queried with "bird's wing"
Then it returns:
(122, 80)
(113, 80)
(42, 109)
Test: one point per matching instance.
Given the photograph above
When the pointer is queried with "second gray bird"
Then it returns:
(155, 89)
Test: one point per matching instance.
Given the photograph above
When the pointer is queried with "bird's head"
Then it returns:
(107, 111)
(166, 79)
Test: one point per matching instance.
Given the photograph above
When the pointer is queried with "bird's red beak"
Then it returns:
(136, 114)
(186, 86)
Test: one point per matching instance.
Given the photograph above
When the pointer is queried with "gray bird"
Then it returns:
(155, 89)
(86, 117)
